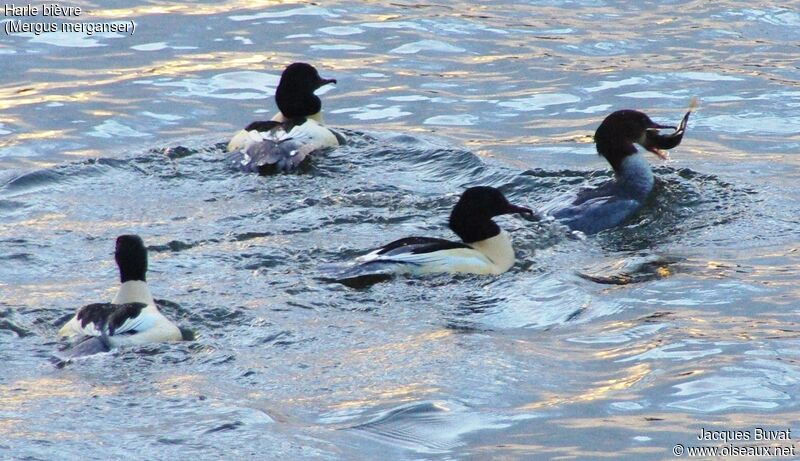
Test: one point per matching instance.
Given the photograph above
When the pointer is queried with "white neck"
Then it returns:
(134, 291)
(498, 249)
(281, 119)
(636, 176)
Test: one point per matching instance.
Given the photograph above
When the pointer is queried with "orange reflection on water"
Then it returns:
(179, 385)
(42, 134)
(377, 363)
(189, 9)
(397, 394)
(10, 98)
(599, 390)
(83, 153)
(566, 451)
(22, 393)
(25, 396)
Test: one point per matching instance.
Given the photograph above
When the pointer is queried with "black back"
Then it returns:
(269, 125)
(615, 136)
(108, 315)
(471, 218)
(419, 245)
(131, 257)
(262, 126)
(295, 94)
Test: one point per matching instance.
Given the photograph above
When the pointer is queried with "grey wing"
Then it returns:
(597, 214)
(276, 156)
(86, 345)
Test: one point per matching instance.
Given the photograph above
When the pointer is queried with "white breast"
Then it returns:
(498, 250)
(491, 256)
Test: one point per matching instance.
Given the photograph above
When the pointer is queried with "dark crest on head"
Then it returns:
(295, 94)
(131, 257)
(616, 135)
(471, 218)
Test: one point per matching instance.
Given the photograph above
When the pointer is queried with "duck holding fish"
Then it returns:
(606, 206)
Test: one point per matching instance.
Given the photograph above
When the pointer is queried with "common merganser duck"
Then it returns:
(283, 143)
(484, 249)
(606, 206)
(132, 318)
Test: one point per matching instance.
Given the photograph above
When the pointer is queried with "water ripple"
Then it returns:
(685, 313)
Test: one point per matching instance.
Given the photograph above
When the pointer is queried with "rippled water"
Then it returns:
(622, 344)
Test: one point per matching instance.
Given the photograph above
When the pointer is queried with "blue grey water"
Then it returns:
(619, 345)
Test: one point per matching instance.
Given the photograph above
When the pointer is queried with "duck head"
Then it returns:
(617, 134)
(471, 218)
(295, 94)
(131, 257)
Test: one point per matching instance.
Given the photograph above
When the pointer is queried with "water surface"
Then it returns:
(622, 344)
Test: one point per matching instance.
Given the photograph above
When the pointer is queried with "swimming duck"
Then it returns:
(132, 318)
(283, 143)
(593, 210)
(484, 247)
